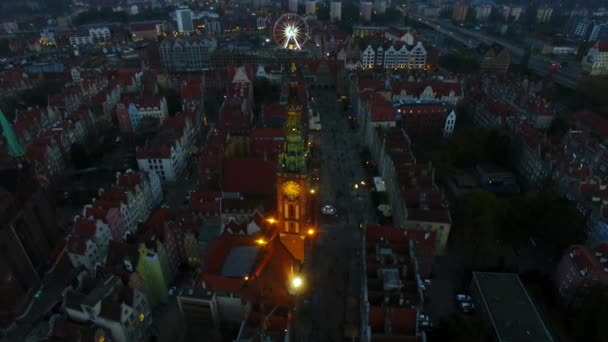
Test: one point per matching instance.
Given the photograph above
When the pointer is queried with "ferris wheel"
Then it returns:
(290, 31)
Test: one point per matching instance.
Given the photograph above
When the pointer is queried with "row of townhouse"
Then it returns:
(166, 154)
(578, 165)
(397, 55)
(113, 216)
(416, 201)
(414, 106)
(131, 113)
(394, 265)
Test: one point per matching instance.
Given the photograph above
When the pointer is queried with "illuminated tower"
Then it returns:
(292, 177)
(14, 148)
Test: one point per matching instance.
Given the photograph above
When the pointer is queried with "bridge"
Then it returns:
(540, 65)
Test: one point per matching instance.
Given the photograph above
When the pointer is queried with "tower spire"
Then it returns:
(14, 148)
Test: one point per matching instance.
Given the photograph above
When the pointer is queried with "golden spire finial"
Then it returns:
(293, 68)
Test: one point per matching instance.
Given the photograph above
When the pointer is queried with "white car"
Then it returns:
(328, 209)
(461, 297)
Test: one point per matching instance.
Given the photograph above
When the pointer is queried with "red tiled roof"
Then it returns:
(275, 109)
(85, 227)
(403, 321)
(249, 176)
(205, 203)
(76, 245)
(129, 180)
(148, 26)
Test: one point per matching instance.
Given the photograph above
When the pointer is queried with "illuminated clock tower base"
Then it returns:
(292, 203)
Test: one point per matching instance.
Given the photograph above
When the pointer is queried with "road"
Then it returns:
(541, 65)
(332, 312)
(54, 282)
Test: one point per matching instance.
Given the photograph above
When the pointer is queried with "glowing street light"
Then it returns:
(260, 242)
(312, 191)
(310, 232)
(362, 182)
(296, 282)
(356, 186)
(271, 220)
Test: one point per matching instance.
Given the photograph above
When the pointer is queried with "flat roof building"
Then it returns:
(507, 306)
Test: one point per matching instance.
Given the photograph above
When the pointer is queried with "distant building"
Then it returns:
(146, 30)
(494, 58)
(460, 12)
(483, 11)
(380, 6)
(512, 12)
(191, 54)
(311, 8)
(184, 19)
(292, 6)
(596, 60)
(599, 32)
(365, 9)
(335, 10)
(543, 14)
(580, 270)
(507, 309)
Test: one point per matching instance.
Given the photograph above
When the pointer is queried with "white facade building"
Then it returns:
(395, 56)
(100, 34)
(87, 246)
(483, 11)
(184, 19)
(166, 153)
(151, 107)
(450, 123)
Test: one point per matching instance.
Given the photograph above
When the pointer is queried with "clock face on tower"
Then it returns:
(291, 189)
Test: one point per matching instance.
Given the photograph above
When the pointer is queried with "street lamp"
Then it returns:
(312, 191)
(271, 220)
(310, 232)
(296, 282)
(260, 242)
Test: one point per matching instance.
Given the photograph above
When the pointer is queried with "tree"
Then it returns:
(461, 328)
(559, 127)
(589, 323)
(551, 220)
(477, 215)
(459, 62)
(79, 156)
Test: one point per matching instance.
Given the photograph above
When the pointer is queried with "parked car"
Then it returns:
(462, 297)
(467, 307)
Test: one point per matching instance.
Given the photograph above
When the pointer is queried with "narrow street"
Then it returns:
(332, 312)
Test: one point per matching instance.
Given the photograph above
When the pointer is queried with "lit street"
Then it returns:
(332, 312)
